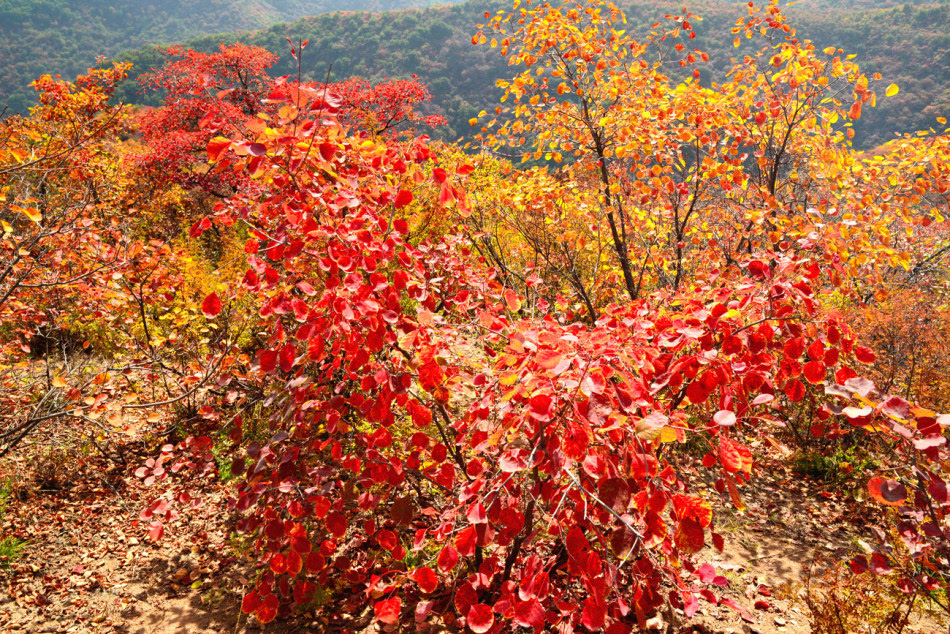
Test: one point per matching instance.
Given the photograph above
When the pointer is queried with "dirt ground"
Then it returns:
(85, 567)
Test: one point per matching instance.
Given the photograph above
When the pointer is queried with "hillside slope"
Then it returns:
(65, 36)
(908, 45)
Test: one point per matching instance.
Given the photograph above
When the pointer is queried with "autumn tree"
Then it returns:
(389, 107)
(201, 89)
(415, 404)
(690, 175)
(423, 418)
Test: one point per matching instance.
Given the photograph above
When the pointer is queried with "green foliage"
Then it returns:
(65, 36)
(839, 465)
(908, 45)
(11, 548)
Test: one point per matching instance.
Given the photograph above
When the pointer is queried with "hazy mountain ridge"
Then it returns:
(65, 36)
(908, 45)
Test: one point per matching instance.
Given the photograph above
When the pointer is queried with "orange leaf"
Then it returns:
(889, 492)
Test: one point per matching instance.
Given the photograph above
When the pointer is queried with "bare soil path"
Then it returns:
(84, 566)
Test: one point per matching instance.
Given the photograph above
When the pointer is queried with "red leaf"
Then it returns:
(294, 562)
(278, 564)
(426, 579)
(864, 355)
(729, 603)
(420, 414)
(316, 562)
(476, 513)
(513, 460)
(336, 524)
(155, 531)
(257, 149)
(464, 170)
(718, 542)
(938, 490)
(706, 573)
(430, 375)
(439, 175)
(693, 508)
(388, 610)
(216, 147)
(480, 618)
(594, 614)
(267, 611)
(897, 407)
(795, 390)
(199, 227)
(541, 407)
(304, 591)
(466, 541)
(251, 602)
(794, 348)
(729, 455)
(929, 442)
(512, 301)
(387, 539)
(689, 536)
(615, 493)
(529, 613)
(211, 307)
(697, 392)
(814, 372)
(327, 151)
(267, 361)
(403, 198)
(287, 356)
(575, 442)
(576, 543)
(448, 557)
(548, 359)
(446, 194)
(858, 565)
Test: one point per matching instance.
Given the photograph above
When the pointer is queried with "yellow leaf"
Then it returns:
(59, 381)
(29, 212)
(670, 434)
(829, 51)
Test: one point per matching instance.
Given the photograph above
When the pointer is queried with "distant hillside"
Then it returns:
(909, 45)
(65, 36)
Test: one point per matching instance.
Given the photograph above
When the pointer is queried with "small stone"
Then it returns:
(779, 621)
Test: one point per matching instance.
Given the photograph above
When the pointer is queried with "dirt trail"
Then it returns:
(86, 568)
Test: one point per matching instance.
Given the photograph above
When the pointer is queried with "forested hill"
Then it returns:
(909, 45)
(65, 36)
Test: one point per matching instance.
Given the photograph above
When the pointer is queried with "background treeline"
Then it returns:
(65, 36)
(908, 44)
